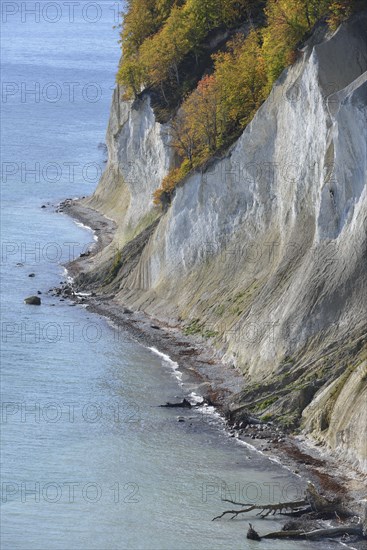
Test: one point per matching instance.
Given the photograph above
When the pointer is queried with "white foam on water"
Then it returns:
(87, 227)
(195, 398)
(208, 410)
(174, 366)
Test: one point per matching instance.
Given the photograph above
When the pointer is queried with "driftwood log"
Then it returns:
(185, 404)
(317, 533)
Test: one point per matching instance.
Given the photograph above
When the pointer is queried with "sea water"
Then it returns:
(89, 458)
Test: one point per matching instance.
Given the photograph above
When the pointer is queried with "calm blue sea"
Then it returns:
(89, 460)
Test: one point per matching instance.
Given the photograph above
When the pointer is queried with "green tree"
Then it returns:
(206, 15)
(162, 53)
(288, 22)
(240, 80)
(140, 21)
(131, 75)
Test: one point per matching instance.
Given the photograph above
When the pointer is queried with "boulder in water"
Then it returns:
(33, 301)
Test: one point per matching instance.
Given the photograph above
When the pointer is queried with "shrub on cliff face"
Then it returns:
(341, 10)
(163, 195)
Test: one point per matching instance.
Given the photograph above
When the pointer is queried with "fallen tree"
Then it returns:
(313, 504)
(266, 509)
(312, 501)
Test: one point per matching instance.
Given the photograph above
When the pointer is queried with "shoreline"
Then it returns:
(215, 381)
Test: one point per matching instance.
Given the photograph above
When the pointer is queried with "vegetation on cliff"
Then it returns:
(210, 64)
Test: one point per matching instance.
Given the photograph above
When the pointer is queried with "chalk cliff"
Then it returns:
(262, 253)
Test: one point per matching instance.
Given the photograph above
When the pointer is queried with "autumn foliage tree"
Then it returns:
(143, 19)
(196, 129)
(240, 77)
(201, 108)
(286, 25)
(162, 53)
(183, 136)
(158, 35)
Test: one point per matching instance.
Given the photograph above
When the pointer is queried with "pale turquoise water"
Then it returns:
(89, 460)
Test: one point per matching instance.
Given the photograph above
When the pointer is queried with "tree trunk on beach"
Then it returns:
(316, 533)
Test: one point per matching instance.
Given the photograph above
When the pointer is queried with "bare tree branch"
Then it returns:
(265, 509)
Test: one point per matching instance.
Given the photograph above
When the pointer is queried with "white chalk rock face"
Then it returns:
(139, 157)
(267, 246)
(143, 154)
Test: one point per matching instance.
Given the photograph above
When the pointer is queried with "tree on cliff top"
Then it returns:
(158, 35)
